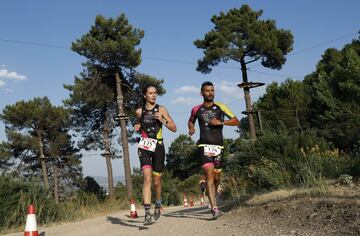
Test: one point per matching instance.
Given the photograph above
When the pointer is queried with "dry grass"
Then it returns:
(329, 209)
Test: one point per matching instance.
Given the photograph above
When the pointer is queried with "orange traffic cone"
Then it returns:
(202, 200)
(133, 213)
(185, 201)
(31, 226)
(191, 201)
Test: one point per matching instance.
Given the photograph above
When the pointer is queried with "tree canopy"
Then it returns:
(111, 43)
(38, 139)
(240, 35)
(334, 88)
(182, 159)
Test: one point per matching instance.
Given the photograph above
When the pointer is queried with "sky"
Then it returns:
(36, 59)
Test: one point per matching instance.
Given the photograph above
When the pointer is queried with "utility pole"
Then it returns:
(107, 155)
(42, 162)
(249, 110)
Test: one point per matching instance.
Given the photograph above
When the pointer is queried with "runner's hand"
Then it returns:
(191, 131)
(215, 121)
(158, 116)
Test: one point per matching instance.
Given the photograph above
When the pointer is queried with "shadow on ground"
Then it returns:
(127, 223)
(201, 213)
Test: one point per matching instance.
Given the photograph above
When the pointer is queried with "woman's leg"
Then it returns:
(147, 185)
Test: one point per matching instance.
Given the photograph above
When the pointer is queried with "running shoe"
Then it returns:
(148, 219)
(216, 213)
(157, 213)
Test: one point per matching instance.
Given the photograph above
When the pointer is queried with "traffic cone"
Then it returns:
(133, 213)
(202, 200)
(31, 226)
(185, 201)
(191, 201)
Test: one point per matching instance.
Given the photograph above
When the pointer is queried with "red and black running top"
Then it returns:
(210, 134)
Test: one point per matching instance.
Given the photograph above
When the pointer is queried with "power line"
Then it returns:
(322, 44)
(188, 62)
(313, 47)
(170, 60)
(275, 75)
(33, 44)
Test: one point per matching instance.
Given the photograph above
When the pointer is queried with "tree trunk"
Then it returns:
(56, 183)
(107, 156)
(124, 140)
(296, 114)
(259, 118)
(249, 110)
(43, 163)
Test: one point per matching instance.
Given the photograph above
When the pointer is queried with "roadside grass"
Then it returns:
(327, 209)
(74, 211)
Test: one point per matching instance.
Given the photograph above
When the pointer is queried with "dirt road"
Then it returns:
(174, 221)
(334, 211)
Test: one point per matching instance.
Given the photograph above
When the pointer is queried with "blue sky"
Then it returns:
(36, 60)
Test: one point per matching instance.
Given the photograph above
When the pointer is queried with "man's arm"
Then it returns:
(232, 122)
(192, 119)
(191, 127)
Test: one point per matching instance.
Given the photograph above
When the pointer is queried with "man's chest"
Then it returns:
(205, 114)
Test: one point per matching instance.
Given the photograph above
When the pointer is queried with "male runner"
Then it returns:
(211, 115)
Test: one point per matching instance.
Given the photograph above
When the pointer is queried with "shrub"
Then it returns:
(16, 195)
(170, 193)
(281, 159)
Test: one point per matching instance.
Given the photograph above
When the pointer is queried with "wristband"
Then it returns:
(222, 122)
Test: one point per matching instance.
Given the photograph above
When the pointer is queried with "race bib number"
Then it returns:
(212, 150)
(147, 144)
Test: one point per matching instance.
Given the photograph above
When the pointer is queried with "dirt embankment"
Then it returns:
(331, 210)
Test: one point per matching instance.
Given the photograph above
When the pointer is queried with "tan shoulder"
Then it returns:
(162, 108)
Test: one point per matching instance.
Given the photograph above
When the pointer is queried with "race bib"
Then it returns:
(147, 144)
(212, 150)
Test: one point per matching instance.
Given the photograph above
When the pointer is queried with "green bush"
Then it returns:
(189, 186)
(280, 160)
(169, 193)
(16, 195)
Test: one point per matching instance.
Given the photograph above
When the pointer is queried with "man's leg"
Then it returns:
(217, 169)
(210, 187)
(216, 180)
